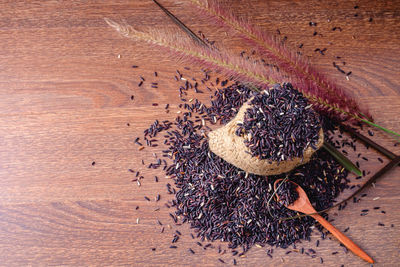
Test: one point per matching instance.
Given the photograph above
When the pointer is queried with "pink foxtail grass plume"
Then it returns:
(325, 95)
(185, 49)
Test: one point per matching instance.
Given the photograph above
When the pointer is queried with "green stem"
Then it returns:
(380, 127)
(342, 159)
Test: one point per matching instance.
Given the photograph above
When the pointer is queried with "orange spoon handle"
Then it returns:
(342, 238)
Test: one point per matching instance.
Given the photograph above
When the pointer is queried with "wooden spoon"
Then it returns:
(302, 204)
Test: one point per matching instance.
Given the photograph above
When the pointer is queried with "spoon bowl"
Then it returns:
(302, 204)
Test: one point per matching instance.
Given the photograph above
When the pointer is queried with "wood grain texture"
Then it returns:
(65, 102)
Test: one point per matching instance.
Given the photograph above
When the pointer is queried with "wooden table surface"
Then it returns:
(65, 86)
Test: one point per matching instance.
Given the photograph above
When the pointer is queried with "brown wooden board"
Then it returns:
(65, 86)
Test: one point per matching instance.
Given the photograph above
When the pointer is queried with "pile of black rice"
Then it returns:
(222, 202)
(286, 192)
(280, 124)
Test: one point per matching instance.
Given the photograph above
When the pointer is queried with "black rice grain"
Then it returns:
(175, 239)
